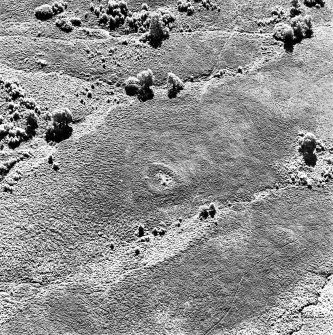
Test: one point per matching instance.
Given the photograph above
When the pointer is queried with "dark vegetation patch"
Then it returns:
(140, 85)
(64, 23)
(210, 5)
(314, 166)
(174, 85)
(154, 25)
(60, 127)
(45, 12)
(19, 118)
(185, 6)
(207, 211)
(298, 28)
(291, 26)
(312, 3)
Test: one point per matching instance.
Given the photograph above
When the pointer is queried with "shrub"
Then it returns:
(302, 27)
(307, 21)
(284, 32)
(76, 21)
(204, 213)
(162, 231)
(132, 86)
(29, 103)
(14, 89)
(60, 127)
(104, 18)
(212, 210)
(123, 7)
(58, 8)
(141, 231)
(146, 78)
(64, 24)
(311, 3)
(174, 85)
(144, 6)
(295, 3)
(190, 10)
(182, 5)
(32, 122)
(308, 143)
(44, 12)
(156, 31)
(295, 8)
(155, 231)
(55, 166)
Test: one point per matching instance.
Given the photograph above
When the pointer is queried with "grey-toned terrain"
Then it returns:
(104, 220)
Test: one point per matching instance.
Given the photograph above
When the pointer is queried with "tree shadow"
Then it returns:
(310, 158)
(289, 47)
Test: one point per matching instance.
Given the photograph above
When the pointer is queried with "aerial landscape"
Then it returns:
(166, 167)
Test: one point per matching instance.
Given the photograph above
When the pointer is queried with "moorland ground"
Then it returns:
(71, 258)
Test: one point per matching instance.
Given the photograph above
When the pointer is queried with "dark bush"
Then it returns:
(64, 24)
(174, 85)
(308, 143)
(132, 86)
(212, 210)
(204, 213)
(76, 21)
(44, 12)
(156, 32)
(146, 78)
(311, 3)
(284, 32)
(60, 127)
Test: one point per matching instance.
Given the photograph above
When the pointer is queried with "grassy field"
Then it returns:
(71, 259)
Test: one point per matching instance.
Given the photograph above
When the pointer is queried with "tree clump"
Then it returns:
(14, 89)
(59, 7)
(146, 78)
(206, 211)
(32, 122)
(132, 86)
(75, 21)
(174, 84)
(64, 24)
(141, 85)
(185, 6)
(308, 143)
(60, 127)
(284, 32)
(141, 22)
(307, 147)
(114, 15)
(44, 12)
(295, 8)
(300, 27)
(157, 31)
(312, 3)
